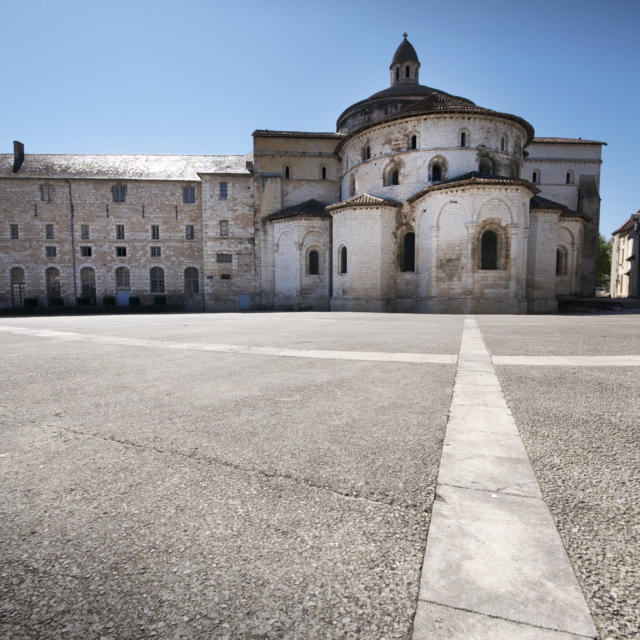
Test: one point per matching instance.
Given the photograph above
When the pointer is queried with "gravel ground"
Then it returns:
(593, 334)
(581, 428)
(154, 493)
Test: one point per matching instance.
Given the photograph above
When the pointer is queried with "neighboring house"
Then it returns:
(422, 201)
(625, 259)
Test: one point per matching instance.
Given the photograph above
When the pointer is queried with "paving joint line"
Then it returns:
(248, 470)
(500, 492)
(495, 617)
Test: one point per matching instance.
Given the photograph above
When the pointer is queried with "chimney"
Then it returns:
(18, 155)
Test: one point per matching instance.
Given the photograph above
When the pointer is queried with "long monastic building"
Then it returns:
(422, 201)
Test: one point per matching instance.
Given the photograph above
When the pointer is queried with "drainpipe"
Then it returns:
(73, 244)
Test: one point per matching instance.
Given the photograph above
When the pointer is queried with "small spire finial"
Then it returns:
(405, 35)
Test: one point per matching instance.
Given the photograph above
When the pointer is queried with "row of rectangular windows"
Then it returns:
(121, 252)
(49, 233)
(119, 193)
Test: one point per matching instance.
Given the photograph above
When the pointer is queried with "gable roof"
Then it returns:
(548, 140)
(309, 208)
(538, 202)
(364, 200)
(123, 166)
(472, 178)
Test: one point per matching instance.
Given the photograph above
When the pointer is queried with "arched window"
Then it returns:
(52, 277)
(561, 261)
(323, 173)
(343, 260)
(17, 286)
(287, 173)
(397, 73)
(352, 185)
(568, 178)
(122, 278)
(314, 263)
(414, 142)
(436, 172)
(463, 139)
(88, 284)
(394, 176)
(503, 143)
(156, 280)
(191, 281)
(489, 250)
(536, 177)
(409, 252)
(407, 72)
(486, 166)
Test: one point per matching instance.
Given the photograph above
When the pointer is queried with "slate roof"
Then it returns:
(309, 208)
(538, 202)
(545, 140)
(469, 179)
(404, 53)
(123, 167)
(268, 133)
(364, 200)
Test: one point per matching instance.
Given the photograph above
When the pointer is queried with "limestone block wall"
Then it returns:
(368, 233)
(229, 241)
(570, 231)
(147, 204)
(541, 262)
(294, 284)
(450, 223)
(438, 137)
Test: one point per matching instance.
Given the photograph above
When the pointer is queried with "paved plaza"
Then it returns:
(320, 475)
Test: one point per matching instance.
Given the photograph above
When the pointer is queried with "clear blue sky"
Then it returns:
(198, 76)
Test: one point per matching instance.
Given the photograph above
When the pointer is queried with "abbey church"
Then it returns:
(421, 201)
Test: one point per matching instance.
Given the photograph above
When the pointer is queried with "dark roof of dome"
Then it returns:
(441, 102)
(308, 209)
(400, 90)
(404, 53)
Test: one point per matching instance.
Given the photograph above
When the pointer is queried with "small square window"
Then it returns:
(84, 231)
(155, 252)
(225, 276)
(13, 231)
(223, 190)
(121, 252)
(224, 258)
(119, 232)
(48, 232)
(46, 193)
(119, 192)
(155, 232)
(189, 195)
(50, 252)
(188, 232)
(85, 252)
(224, 227)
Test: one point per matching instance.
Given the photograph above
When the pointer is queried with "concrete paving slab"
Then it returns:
(477, 395)
(486, 419)
(435, 622)
(500, 555)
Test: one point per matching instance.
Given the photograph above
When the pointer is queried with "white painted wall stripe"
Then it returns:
(494, 566)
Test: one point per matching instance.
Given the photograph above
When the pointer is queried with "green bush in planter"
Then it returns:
(159, 299)
(83, 301)
(56, 302)
(109, 301)
(134, 301)
(30, 302)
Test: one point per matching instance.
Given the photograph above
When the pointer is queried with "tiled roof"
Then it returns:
(310, 208)
(438, 102)
(124, 167)
(538, 202)
(267, 133)
(629, 224)
(565, 141)
(364, 200)
(470, 179)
